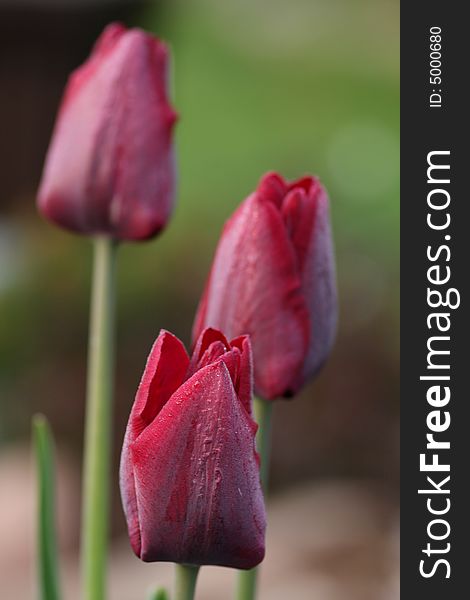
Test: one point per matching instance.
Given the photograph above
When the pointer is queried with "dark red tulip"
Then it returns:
(110, 165)
(189, 476)
(273, 277)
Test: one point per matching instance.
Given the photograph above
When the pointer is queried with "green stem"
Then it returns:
(247, 580)
(246, 585)
(97, 450)
(185, 582)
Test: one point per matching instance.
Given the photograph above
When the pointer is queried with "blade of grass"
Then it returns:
(160, 594)
(48, 567)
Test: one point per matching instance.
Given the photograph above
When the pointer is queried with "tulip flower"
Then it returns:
(189, 475)
(273, 277)
(110, 165)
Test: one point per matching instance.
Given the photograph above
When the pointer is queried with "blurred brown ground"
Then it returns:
(334, 540)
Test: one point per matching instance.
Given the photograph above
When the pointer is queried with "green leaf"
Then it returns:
(46, 533)
(160, 594)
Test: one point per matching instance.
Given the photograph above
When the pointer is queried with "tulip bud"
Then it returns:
(189, 474)
(110, 166)
(273, 277)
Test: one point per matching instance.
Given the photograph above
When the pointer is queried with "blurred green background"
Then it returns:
(298, 87)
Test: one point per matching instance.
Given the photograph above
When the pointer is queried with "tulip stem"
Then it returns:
(247, 580)
(263, 415)
(97, 448)
(185, 583)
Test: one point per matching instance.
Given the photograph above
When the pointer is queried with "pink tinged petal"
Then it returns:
(210, 345)
(318, 275)
(299, 211)
(305, 212)
(213, 352)
(272, 188)
(263, 263)
(237, 355)
(164, 373)
(74, 172)
(145, 174)
(109, 168)
(207, 337)
(244, 383)
(307, 183)
(231, 359)
(108, 39)
(255, 289)
(197, 482)
(166, 367)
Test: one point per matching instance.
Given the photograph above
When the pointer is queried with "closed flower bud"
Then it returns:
(110, 166)
(273, 277)
(189, 475)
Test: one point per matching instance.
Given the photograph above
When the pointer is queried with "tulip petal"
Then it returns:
(205, 339)
(244, 384)
(254, 288)
(144, 177)
(196, 478)
(318, 275)
(298, 211)
(166, 367)
(307, 183)
(164, 373)
(273, 277)
(237, 355)
(211, 344)
(215, 351)
(272, 188)
(110, 165)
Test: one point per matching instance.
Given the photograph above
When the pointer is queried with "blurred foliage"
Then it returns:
(296, 87)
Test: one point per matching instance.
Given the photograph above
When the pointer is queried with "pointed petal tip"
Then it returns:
(163, 374)
(109, 37)
(271, 188)
(272, 178)
(206, 338)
